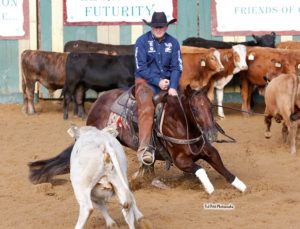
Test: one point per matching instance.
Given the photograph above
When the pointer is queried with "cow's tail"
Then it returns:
(294, 115)
(295, 92)
(23, 63)
(112, 153)
(43, 170)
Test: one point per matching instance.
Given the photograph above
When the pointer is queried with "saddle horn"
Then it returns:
(160, 97)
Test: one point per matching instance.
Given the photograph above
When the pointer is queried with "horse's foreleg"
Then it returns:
(186, 164)
(212, 156)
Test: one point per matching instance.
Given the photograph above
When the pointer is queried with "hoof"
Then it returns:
(144, 223)
(293, 151)
(159, 184)
(238, 184)
(113, 225)
(268, 135)
(144, 172)
(221, 116)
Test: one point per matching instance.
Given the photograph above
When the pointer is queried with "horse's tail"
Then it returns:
(43, 170)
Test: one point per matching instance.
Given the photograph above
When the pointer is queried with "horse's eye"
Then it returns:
(194, 109)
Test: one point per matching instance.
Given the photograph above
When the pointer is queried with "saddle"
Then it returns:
(125, 106)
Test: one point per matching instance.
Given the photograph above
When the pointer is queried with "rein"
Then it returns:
(235, 109)
(220, 129)
(184, 141)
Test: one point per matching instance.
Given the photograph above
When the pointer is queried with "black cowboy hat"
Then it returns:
(159, 19)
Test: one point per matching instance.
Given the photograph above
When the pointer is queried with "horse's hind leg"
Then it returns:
(212, 156)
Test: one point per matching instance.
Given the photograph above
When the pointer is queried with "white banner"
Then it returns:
(257, 15)
(128, 11)
(11, 18)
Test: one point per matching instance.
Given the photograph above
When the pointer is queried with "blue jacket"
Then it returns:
(156, 60)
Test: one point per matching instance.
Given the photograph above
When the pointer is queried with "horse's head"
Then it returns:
(200, 109)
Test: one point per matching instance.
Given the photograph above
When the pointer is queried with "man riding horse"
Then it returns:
(158, 67)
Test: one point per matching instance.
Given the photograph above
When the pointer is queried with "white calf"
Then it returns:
(98, 171)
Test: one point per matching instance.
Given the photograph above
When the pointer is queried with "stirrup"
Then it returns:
(147, 153)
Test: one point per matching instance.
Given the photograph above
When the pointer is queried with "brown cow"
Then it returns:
(281, 97)
(288, 45)
(263, 62)
(48, 68)
(234, 61)
(88, 46)
(199, 65)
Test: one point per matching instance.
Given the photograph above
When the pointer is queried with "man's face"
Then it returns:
(159, 32)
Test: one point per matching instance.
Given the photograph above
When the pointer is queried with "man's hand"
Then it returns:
(163, 84)
(172, 92)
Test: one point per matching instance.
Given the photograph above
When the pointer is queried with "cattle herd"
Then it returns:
(272, 68)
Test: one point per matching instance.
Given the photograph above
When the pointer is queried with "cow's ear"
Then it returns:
(273, 34)
(227, 57)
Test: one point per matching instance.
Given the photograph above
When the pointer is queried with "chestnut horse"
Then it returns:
(186, 129)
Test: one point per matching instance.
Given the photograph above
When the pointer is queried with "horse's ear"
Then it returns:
(188, 90)
(205, 89)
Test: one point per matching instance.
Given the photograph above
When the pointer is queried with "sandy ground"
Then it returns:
(271, 174)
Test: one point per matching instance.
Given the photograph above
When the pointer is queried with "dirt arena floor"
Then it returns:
(272, 176)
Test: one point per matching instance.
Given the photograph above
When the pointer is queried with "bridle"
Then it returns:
(187, 141)
(219, 128)
(190, 141)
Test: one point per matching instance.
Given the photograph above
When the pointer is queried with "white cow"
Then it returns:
(98, 168)
(234, 61)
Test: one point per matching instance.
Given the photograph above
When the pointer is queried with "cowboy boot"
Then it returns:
(145, 108)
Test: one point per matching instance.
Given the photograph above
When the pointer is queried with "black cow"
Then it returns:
(267, 40)
(96, 71)
(89, 46)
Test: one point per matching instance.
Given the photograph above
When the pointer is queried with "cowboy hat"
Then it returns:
(159, 19)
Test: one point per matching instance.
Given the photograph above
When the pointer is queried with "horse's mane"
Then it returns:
(178, 106)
